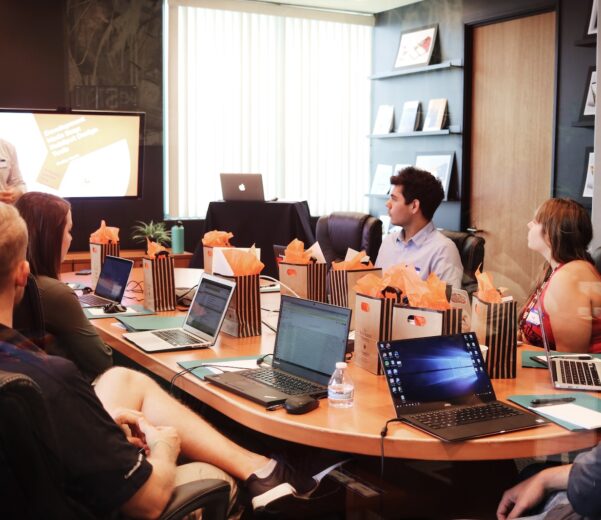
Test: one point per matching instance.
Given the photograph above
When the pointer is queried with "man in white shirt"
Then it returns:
(11, 182)
(415, 196)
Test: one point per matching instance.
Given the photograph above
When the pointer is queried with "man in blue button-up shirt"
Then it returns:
(415, 196)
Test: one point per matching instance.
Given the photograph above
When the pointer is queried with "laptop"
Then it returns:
(111, 283)
(568, 372)
(242, 186)
(440, 385)
(310, 339)
(202, 323)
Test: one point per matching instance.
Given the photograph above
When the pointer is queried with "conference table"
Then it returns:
(353, 430)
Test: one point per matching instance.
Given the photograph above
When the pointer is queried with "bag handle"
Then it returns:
(395, 290)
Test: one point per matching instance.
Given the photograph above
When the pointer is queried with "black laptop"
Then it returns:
(440, 385)
(111, 283)
(311, 338)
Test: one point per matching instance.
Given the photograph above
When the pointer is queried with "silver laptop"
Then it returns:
(202, 323)
(566, 370)
(242, 186)
(111, 283)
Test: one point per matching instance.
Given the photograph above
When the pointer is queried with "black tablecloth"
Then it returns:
(261, 223)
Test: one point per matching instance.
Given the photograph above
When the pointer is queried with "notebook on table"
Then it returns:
(311, 337)
(111, 283)
(242, 186)
(440, 385)
(568, 372)
(202, 324)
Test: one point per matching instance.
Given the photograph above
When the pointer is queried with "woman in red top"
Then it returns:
(568, 290)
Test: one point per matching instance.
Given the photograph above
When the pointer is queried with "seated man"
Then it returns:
(415, 196)
(118, 441)
(572, 489)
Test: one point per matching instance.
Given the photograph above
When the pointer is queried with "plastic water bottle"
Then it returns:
(177, 238)
(341, 390)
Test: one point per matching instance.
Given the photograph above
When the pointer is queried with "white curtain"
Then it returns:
(283, 96)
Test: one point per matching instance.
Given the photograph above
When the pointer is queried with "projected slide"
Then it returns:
(76, 155)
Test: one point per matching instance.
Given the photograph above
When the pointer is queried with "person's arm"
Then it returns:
(14, 183)
(531, 492)
(583, 485)
(568, 305)
(446, 264)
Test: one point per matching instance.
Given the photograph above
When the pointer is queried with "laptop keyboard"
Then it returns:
(283, 382)
(458, 417)
(93, 300)
(578, 373)
(178, 338)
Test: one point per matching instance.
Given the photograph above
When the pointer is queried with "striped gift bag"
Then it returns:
(98, 252)
(243, 316)
(342, 283)
(306, 280)
(159, 282)
(415, 322)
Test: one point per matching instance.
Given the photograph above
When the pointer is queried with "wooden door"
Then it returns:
(513, 85)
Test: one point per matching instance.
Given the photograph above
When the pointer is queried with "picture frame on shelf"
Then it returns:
(384, 120)
(380, 184)
(589, 101)
(400, 167)
(439, 164)
(416, 47)
(410, 117)
(592, 23)
(436, 116)
(589, 172)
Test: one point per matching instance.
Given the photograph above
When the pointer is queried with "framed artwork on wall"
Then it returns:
(589, 172)
(589, 101)
(439, 164)
(416, 47)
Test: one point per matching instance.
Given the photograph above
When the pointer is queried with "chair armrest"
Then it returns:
(211, 495)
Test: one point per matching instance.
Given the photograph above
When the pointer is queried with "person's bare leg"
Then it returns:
(123, 388)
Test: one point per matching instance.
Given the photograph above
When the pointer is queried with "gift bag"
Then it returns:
(306, 280)
(495, 325)
(243, 316)
(415, 322)
(98, 253)
(159, 282)
(341, 288)
(207, 257)
(373, 323)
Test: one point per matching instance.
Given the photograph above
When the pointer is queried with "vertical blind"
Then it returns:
(282, 96)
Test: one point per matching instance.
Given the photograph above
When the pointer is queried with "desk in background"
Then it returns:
(81, 259)
(259, 223)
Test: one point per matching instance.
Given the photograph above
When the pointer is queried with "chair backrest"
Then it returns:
(28, 317)
(471, 251)
(340, 230)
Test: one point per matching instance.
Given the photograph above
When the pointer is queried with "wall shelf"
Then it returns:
(454, 129)
(589, 124)
(586, 42)
(457, 63)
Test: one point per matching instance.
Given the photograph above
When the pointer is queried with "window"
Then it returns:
(284, 96)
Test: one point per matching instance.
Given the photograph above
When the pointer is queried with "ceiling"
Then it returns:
(356, 6)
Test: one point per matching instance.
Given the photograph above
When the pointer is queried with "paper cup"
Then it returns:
(484, 350)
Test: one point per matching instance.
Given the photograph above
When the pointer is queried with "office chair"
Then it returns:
(31, 476)
(28, 317)
(343, 229)
(471, 251)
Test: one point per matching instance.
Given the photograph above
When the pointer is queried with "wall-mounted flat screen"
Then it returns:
(77, 154)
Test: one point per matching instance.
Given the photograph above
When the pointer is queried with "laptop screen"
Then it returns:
(311, 338)
(209, 305)
(113, 278)
(429, 373)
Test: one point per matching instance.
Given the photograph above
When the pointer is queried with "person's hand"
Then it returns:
(522, 497)
(159, 437)
(128, 420)
(8, 196)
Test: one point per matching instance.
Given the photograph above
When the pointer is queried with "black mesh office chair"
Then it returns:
(471, 251)
(343, 229)
(31, 476)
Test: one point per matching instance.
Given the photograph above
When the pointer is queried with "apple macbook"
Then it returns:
(242, 186)
(569, 372)
(439, 385)
(310, 339)
(111, 283)
(202, 324)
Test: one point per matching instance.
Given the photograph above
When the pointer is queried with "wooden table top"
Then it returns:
(357, 429)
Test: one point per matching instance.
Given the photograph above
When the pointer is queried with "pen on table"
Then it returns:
(558, 400)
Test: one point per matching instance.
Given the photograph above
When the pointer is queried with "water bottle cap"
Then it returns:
(340, 364)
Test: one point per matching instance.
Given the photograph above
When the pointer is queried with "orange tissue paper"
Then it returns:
(105, 234)
(217, 239)
(243, 263)
(295, 253)
(354, 264)
(486, 289)
(153, 248)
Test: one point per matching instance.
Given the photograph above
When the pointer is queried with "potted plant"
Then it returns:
(156, 232)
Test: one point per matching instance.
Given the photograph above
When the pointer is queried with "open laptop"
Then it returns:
(567, 371)
(111, 283)
(242, 186)
(202, 323)
(440, 385)
(310, 339)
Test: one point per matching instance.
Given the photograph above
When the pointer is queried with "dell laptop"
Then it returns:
(440, 385)
(310, 339)
(202, 323)
(242, 186)
(111, 283)
(568, 372)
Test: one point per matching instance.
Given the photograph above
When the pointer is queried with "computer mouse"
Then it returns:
(300, 404)
(112, 308)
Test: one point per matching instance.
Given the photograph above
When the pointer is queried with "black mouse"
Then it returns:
(300, 404)
(112, 308)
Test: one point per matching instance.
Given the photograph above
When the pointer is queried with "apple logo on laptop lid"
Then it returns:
(242, 187)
